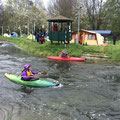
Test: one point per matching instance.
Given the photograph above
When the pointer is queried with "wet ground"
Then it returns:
(88, 91)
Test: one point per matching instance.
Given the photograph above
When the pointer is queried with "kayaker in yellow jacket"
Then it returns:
(27, 74)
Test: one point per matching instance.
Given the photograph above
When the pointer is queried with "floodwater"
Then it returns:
(88, 91)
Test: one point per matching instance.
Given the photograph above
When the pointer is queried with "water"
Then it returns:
(88, 91)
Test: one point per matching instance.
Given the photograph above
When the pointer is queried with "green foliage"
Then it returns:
(112, 21)
(19, 15)
(113, 51)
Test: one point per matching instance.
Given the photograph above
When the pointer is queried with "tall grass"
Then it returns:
(113, 51)
(76, 50)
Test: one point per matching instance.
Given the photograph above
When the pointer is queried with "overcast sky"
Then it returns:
(45, 2)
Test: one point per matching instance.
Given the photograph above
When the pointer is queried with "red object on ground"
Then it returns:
(66, 58)
(105, 44)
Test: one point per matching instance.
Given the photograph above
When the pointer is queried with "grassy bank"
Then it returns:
(76, 50)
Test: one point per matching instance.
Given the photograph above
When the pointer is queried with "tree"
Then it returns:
(91, 14)
(112, 10)
(39, 4)
(61, 7)
(1, 13)
(21, 14)
(95, 13)
(65, 8)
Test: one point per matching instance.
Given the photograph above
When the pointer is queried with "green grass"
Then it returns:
(76, 50)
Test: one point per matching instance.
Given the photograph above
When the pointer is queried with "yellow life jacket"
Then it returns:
(29, 73)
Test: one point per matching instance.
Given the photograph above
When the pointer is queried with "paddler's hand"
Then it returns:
(31, 75)
(39, 73)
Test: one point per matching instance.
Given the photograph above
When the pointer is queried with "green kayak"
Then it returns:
(34, 83)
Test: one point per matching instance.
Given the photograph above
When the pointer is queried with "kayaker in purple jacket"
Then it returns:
(27, 74)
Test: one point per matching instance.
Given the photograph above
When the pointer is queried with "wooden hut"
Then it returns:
(60, 29)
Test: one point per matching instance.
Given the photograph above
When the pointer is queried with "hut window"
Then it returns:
(81, 36)
(90, 37)
(86, 36)
(94, 37)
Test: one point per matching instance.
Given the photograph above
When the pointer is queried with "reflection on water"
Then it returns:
(88, 91)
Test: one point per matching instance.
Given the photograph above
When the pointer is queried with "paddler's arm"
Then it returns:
(36, 72)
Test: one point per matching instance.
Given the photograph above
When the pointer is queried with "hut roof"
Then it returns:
(60, 19)
(102, 32)
(88, 31)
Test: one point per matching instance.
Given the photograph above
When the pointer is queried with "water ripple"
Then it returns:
(6, 113)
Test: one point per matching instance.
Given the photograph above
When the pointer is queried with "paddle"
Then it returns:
(43, 72)
(39, 73)
(67, 52)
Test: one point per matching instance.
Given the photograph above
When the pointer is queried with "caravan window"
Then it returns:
(90, 37)
(81, 36)
(94, 37)
(86, 36)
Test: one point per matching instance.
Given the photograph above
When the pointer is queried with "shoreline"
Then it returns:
(110, 52)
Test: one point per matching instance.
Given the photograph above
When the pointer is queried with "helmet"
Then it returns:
(27, 66)
(63, 51)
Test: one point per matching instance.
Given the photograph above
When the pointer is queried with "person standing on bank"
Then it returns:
(114, 39)
(42, 39)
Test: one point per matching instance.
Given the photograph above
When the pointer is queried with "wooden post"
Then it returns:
(2, 30)
(28, 28)
(61, 27)
(9, 30)
(77, 41)
(34, 27)
(20, 30)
